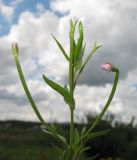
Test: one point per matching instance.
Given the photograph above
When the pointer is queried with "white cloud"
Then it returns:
(6, 11)
(34, 37)
(40, 7)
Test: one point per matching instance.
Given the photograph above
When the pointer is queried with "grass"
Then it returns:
(26, 141)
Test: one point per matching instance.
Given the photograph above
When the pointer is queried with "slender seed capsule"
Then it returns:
(15, 48)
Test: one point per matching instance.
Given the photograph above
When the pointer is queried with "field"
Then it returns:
(26, 141)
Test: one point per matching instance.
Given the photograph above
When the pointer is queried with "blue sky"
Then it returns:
(31, 22)
(25, 5)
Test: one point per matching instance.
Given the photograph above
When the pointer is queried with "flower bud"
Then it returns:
(108, 67)
(15, 48)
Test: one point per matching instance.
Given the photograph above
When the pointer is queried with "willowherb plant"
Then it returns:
(71, 150)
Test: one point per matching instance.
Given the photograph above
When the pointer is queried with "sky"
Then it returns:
(31, 22)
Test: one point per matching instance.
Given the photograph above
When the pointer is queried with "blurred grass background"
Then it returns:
(26, 141)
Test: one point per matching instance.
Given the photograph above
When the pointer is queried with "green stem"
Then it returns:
(71, 71)
(71, 85)
(108, 102)
(106, 105)
(72, 128)
(71, 75)
(27, 92)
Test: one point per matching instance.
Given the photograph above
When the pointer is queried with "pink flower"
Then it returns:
(107, 67)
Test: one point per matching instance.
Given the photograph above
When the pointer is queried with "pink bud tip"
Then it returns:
(107, 67)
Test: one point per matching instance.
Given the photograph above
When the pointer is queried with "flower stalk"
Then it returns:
(15, 51)
(98, 119)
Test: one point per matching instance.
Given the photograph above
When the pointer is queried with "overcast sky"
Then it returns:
(30, 23)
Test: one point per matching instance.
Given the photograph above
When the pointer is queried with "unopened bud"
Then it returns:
(108, 67)
(15, 48)
(98, 45)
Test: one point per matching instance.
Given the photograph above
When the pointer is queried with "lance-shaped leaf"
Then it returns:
(76, 135)
(58, 88)
(83, 131)
(96, 134)
(81, 54)
(66, 88)
(95, 47)
(58, 149)
(54, 134)
(78, 47)
(61, 48)
(92, 135)
(71, 36)
(79, 62)
(84, 149)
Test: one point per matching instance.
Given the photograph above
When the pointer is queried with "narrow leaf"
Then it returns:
(58, 88)
(96, 134)
(85, 149)
(78, 47)
(95, 47)
(61, 138)
(76, 136)
(60, 151)
(78, 65)
(61, 48)
(66, 88)
(82, 52)
(83, 130)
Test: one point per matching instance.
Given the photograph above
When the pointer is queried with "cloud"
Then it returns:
(103, 21)
(6, 11)
(40, 7)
